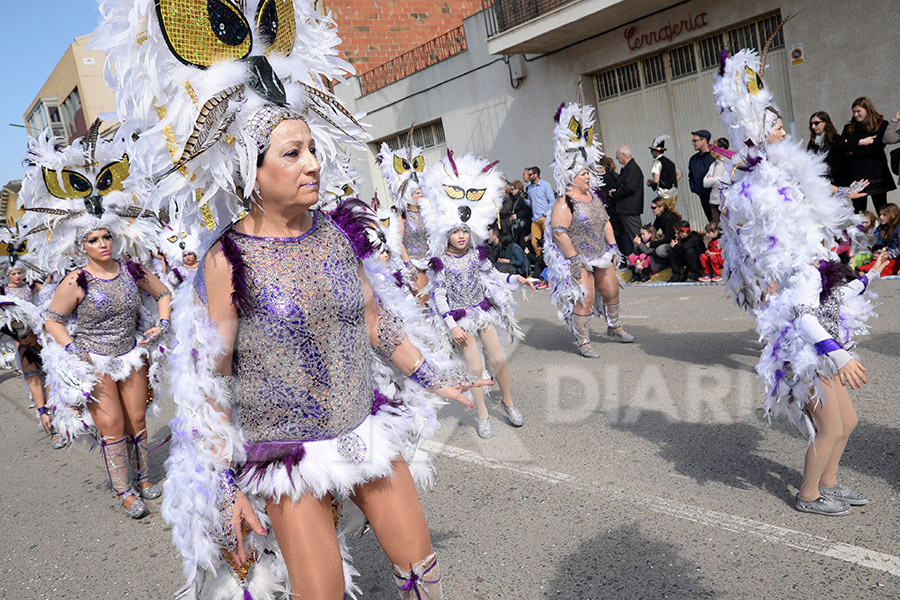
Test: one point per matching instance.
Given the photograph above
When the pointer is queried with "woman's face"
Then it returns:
(289, 175)
(189, 259)
(883, 218)
(459, 239)
(98, 245)
(15, 277)
(645, 235)
(778, 132)
(417, 195)
(656, 209)
(859, 114)
(582, 181)
(817, 126)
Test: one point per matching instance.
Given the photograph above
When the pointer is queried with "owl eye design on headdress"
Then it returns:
(579, 134)
(76, 185)
(276, 26)
(754, 81)
(204, 32)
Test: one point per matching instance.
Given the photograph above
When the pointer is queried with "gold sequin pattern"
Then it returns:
(204, 32)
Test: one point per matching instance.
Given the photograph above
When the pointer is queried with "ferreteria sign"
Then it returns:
(666, 33)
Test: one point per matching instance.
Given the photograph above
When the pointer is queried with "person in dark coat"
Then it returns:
(628, 197)
(686, 250)
(607, 170)
(665, 222)
(859, 151)
(698, 167)
(506, 255)
(515, 214)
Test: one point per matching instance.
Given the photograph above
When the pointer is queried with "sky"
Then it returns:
(36, 36)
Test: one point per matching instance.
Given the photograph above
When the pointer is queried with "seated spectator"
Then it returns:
(711, 260)
(686, 250)
(507, 256)
(887, 239)
(639, 260)
(665, 222)
(862, 253)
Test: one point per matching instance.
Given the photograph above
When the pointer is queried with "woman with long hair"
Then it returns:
(859, 154)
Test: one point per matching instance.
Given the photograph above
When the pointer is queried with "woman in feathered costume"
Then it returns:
(581, 252)
(86, 204)
(780, 221)
(472, 298)
(282, 405)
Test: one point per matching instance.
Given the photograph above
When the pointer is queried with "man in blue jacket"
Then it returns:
(697, 168)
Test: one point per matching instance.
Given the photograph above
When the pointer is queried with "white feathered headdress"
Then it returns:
(190, 77)
(69, 192)
(402, 170)
(464, 192)
(575, 146)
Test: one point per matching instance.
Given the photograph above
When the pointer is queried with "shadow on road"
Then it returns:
(873, 450)
(724, 453)
(625, 563)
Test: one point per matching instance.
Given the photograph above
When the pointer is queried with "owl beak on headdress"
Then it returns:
(583, 152)
(264, 81)
(465, 213)
(94, 205)
(414, 177)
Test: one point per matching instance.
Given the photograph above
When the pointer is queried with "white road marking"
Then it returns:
(782, 535)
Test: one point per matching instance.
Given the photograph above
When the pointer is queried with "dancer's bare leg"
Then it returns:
(830, 431)
(849, 420)
(476, 368)
(494, 350)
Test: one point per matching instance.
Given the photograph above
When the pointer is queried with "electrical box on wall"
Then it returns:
(517, 67)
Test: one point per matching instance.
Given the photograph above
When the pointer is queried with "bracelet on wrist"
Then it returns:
(42, 410)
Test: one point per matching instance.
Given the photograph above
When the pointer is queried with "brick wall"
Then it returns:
(376, 31)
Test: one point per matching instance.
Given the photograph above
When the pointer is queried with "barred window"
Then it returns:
(629, 77)
(654, 70)
(606, 85)
(682, 61)
(766, 27)
(742, 37)
(424, 136)
(709, 49)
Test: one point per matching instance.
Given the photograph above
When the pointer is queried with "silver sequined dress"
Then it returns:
(415, 239)
(302, 352)
(586, 232)
(460, 294)
(23, 292)
(108, 315)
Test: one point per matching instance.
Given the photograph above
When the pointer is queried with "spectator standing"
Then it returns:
(717, 177)
(515, 215)
(628, 197)
(664, 175)
(711, 260)
(822, 137)
(607, 170)
(541, 200)
(686, 250)
(860, 152)
(892, 135)
(698, 167)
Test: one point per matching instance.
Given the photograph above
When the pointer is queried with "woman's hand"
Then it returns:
(150, 335)
(881, 261)
(525, 281)
(867, 141)
(455, 392)
(459, 336)
(503, 260)
(637, 240)
(45, 422)
(242, 511)
(853, 374)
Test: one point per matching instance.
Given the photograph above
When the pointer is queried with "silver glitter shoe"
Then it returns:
(839, 492)
(484, 427)
(515, 417)
(137, 509)
(586, 350)
(150, 493)
(624, 336)
(830, 507)
(58, 443)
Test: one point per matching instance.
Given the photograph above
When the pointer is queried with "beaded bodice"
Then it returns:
(828, 313)
(23, 292)
(586, 231)
(414, 236)
(462, 279)
(108, 314)
(302, 353)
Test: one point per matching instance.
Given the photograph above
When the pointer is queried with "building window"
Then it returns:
(709, 49)
(654, 69)
(70, 115)
(629, 77)
(682, 61)
(606, 85)
(424, 136)
(767, 26)
(742, 37)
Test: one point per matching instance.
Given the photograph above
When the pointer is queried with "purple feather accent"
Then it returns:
(137, 272)
(247, 595)
(382, 400)
(436, 264)
(355, 219)
(458, 314)
(178, 275)
(82, 280)
(750, 163)
(772, 241)
(195, 354)
(559, 112)
(240, 294)
(452, 162)
(261, 455)
(834, 274)
(398, 277)
(723, 57)
(783, 192)
(484, 252)
(484, 304)
(490, 166)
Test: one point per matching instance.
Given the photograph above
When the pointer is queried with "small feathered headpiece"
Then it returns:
(575, 145)
(659, 143)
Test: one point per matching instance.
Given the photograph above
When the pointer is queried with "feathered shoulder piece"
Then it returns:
(461, 193)
(574, 145)
(67, 192)
(357, 221)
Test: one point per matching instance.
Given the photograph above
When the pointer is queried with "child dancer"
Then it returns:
(711, 261)
(469, 294)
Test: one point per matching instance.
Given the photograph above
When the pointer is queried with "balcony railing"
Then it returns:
(430, 53)
(500, 15)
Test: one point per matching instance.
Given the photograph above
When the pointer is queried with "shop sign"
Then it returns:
(666, 33)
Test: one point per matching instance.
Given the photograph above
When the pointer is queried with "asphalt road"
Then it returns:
(649, 473)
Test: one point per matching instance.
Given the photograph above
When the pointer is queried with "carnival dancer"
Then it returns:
(402, 170)
(471, 297)
(282, 405)
(780, 221)
(78, 197)
(180, 249)
(581, 253)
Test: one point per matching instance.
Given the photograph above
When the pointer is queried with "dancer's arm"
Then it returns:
(67, 296)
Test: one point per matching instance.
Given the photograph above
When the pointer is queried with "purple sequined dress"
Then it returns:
(415, 239)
